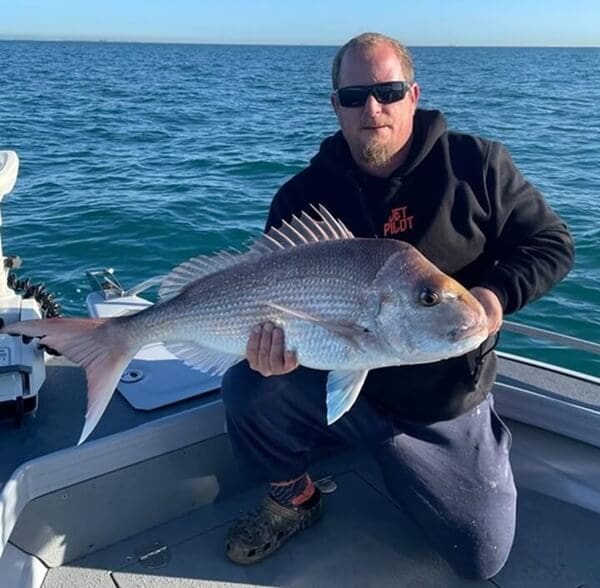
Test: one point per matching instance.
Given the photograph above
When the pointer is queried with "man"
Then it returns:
(395, 171)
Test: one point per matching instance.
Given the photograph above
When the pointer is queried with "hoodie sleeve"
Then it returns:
(531, 245)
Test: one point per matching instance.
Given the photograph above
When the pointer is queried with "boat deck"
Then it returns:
(364, 540)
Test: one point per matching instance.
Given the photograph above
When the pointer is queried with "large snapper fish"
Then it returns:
(346, 305)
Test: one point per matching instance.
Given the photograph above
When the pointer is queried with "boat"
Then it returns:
(148, 499)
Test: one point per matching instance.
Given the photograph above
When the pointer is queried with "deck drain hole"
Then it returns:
(132, 375)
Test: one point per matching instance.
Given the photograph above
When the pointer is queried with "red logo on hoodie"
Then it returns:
(398, 222)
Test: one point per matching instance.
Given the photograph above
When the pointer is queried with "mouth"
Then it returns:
(469, 330)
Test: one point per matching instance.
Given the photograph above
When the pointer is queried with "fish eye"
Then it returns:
(428, 297)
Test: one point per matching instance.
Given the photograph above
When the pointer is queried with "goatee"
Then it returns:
(376, 154)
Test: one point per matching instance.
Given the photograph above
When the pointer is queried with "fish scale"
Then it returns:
(232, 317)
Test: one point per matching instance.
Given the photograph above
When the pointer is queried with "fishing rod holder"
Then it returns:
(105, 282)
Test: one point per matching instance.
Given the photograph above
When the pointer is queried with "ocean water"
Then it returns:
(139, 156)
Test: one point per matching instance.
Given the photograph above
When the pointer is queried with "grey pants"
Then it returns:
(453, 477)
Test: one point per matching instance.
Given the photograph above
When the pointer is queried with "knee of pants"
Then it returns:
(475, 537)
(480, 556)
(482, 564)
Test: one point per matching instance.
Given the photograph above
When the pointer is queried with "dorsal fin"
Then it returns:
(193, 269)
(301, 230)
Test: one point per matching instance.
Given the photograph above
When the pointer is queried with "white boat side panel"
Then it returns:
(559, 416)
(69, 524)
(551, 379)
(557, 466)
(20, 570)
(75, 464)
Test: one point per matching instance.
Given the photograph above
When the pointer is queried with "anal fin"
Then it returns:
(201, 358)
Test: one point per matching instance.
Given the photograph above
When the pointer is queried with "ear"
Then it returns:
(335, 103)
(415, 93)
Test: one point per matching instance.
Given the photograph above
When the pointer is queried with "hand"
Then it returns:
(266, 352)
(492, 307)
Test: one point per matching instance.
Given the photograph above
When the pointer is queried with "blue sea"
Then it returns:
(139, 156)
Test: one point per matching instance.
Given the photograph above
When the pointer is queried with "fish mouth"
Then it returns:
(469, 330)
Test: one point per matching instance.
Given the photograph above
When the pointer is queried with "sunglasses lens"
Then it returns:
(386, 93)
(353, 97)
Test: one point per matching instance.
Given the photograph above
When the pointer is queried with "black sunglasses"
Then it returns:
(385, 93)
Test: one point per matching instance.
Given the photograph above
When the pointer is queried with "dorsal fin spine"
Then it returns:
(272, 240)
(283, 236)
(301, 230)
(311, 236)
(317, 226)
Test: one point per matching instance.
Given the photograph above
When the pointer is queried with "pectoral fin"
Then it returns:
(349, 331)
(343, 387)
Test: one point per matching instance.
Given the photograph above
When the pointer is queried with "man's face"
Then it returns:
(378, 134)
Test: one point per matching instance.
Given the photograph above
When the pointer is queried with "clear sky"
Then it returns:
(321, 22)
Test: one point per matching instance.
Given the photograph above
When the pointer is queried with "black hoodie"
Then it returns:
(462, 202)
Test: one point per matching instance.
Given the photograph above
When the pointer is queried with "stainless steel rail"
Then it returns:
(573, 342)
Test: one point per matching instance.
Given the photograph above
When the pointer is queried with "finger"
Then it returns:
(276, 355)
(264, 349)
(26, 339)
(252, 347)
(291, 362)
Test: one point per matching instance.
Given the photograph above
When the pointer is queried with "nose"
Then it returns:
(371, 106)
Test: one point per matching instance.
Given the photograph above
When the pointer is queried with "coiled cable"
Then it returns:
(49, 307)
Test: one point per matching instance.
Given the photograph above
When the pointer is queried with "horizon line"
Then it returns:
(269, 44)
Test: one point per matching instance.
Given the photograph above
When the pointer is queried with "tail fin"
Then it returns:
(90, 344)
